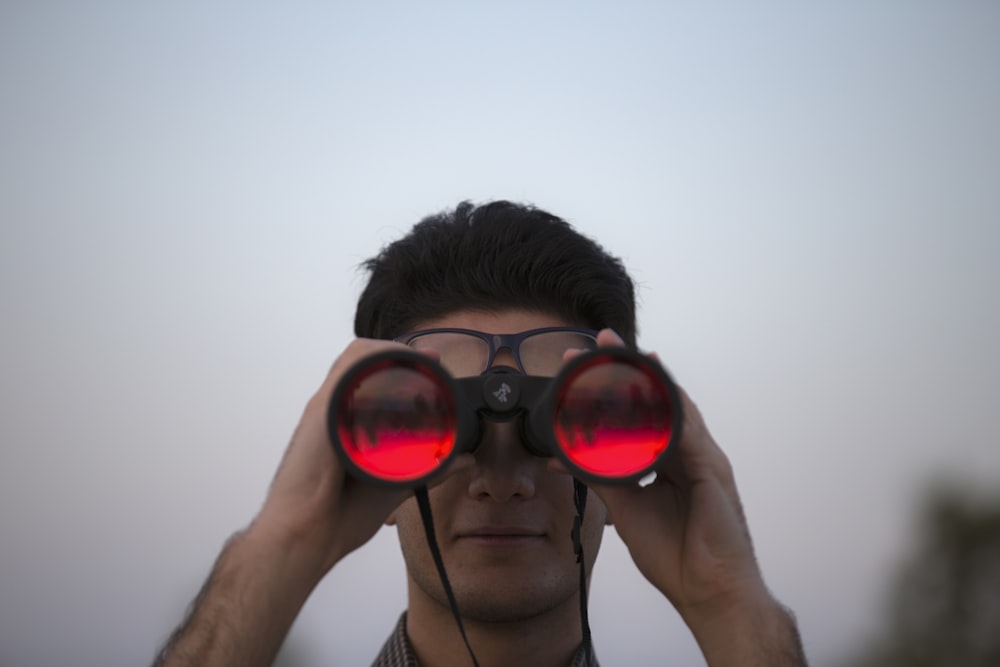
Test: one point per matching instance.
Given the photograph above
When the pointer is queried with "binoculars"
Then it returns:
(610, 415)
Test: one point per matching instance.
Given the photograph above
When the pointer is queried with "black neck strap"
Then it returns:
(425, 513)
(580, 500)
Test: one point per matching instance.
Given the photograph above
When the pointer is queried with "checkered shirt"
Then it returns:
(397, 651)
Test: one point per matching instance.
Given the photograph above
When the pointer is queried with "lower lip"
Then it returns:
(501, 540)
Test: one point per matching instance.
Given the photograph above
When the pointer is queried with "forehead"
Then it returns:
(498, 322)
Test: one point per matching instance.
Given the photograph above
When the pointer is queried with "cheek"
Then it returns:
(411, 535)
(410, 525)
(405, 514)
(560, 497)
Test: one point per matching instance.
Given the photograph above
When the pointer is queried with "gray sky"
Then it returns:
(809, 198)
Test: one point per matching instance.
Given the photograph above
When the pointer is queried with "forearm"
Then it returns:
(762, 633)
(246, 607)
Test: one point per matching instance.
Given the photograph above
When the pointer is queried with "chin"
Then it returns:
(512, 601)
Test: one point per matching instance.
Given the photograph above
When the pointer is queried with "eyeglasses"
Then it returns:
(466, 352)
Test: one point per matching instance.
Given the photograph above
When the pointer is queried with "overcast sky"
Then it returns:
(808, 197)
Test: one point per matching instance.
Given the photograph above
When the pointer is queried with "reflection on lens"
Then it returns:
(613, 419)
(462, 355)
(396, 423)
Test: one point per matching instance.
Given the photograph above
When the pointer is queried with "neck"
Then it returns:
(547, 639)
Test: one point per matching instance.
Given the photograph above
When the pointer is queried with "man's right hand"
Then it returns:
(313, 516)
(313, 506)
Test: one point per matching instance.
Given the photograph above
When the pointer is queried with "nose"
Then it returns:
(504, 357)
(504, 469)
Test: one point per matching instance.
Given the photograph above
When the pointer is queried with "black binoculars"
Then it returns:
(610, 415)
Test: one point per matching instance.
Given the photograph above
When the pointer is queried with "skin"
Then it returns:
(503, 526)
(502, 519)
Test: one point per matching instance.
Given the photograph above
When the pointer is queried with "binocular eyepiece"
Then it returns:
(398, 417)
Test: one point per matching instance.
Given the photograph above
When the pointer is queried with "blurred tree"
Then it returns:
(944, 607)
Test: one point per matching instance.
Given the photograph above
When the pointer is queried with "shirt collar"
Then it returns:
(398, 652)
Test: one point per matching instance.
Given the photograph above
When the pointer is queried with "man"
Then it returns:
(503, 516)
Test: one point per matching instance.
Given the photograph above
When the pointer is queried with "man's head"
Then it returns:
(503, 523)
(494, 257)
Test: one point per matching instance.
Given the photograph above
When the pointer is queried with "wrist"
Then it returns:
(300, 556)
(243, 612)
(748, 629)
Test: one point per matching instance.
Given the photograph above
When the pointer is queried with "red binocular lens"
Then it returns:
(398, 417)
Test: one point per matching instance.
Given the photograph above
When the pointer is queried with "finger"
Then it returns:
(311, 438)
(699, 454)
(378, 498)
(605, 338)
(572, 353)
(618, 498)
(353, 354)
(609, 338)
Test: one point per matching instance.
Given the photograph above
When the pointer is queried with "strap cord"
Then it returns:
(423, 502)
(580, 501)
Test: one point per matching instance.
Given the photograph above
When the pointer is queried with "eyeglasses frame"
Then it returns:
(497, 342)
